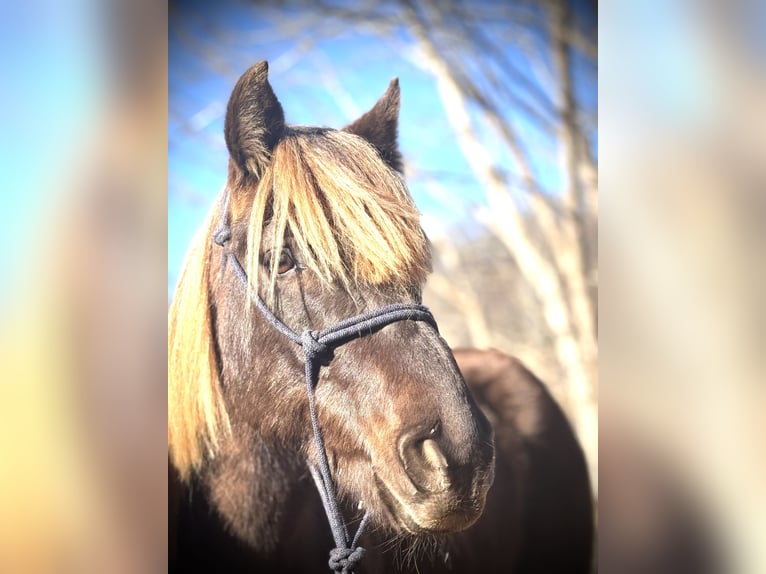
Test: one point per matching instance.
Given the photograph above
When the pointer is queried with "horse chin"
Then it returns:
(418, 520)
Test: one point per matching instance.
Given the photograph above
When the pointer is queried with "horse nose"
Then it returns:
(423, 458)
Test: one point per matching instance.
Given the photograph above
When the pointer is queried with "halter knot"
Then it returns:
(344, 560)
(314, 349)
(222, 235)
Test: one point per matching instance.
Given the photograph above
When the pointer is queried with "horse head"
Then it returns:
(326, 228)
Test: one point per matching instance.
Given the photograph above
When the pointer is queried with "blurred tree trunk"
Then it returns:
(555, 254)
(580, 198)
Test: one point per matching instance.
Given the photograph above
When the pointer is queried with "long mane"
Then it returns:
(197, 416)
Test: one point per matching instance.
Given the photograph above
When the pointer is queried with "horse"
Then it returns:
(441, 460)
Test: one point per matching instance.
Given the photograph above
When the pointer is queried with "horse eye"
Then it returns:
(285, 262)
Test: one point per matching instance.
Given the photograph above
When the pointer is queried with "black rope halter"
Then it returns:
(318, 347)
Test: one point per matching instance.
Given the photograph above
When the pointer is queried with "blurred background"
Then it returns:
(682, 90)
(498, 130)
(83, 304)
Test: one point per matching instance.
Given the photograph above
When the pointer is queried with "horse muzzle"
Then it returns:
(433, 491)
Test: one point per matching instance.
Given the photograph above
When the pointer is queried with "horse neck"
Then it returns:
(255, 485)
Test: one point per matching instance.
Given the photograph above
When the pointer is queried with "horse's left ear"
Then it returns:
(380, 126)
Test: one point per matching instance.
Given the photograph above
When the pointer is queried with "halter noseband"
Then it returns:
(318, 349)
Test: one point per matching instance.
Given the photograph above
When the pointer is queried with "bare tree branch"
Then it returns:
(513, 230)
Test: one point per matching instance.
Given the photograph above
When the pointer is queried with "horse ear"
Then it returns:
(254, 121)
(380, 126)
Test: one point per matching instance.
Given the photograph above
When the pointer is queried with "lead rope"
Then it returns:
(318, 348)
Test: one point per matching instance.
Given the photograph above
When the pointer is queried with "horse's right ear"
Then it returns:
(254, 122)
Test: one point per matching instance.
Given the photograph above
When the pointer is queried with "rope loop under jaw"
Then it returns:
(344, 560)
(222, 236)
(318, 350)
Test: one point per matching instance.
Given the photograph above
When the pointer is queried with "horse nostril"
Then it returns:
(424, 460)
(433, 454)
